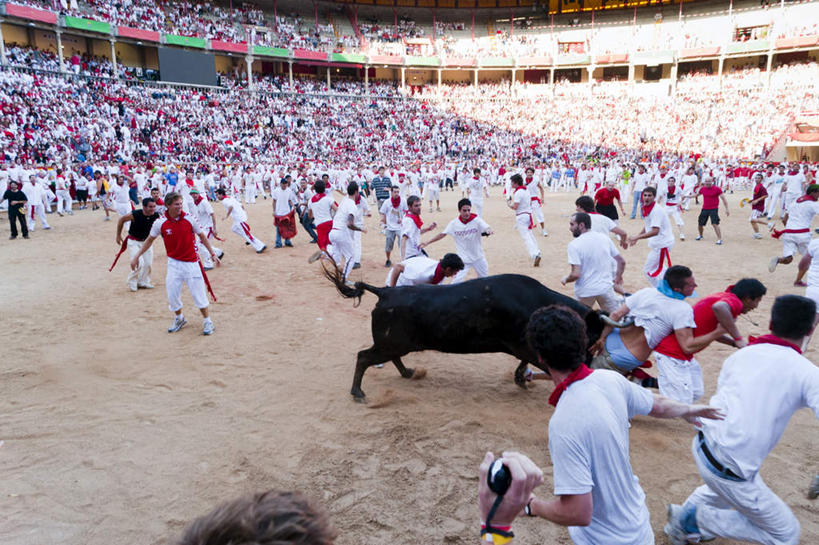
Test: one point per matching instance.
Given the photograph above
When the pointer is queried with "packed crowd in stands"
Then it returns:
(246, 23)
(51, 118)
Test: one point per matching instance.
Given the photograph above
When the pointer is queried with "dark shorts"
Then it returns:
(82, 195)
(705, 214)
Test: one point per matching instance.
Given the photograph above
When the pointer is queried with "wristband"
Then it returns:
(500, 535)
(528, 509)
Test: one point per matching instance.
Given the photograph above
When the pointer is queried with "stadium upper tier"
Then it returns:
(382, 36)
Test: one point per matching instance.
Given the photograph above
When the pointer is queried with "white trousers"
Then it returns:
(37, 210)
(356, 246)
(657, 263)
(63, 201)
(477, 207)
(141, 276)
(341, 249)
(773, 197)
(742, 511)
(674, 214)
(537, 211)
(608, 301)
(250, 193)
(204, 254)
(681, 380)
(242, 229)
(185, 272)
(522, 222)
(481, 269)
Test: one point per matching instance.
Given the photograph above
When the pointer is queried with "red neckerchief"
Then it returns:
(671, 193)
(317, 197)
(519, 187)
(358, 199)
(471, 217)
(577, 375)
(197, 199)
(438, 276)
(804, 198)
(160, 202)
(647, 209)
(529, 180)
(416, 219)
(395, 201)
(773, 339)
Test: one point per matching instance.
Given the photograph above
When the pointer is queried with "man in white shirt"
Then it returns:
(284, 209)
(590, 256)
(476, 186)
(466, 230)
(776, 182)
(535, 187)
(657, 230)
(392, 212)
(341, 235)
(120, 196)
(321, 209)
(671, 195)
(234, 211)
(362, 210)
(793, 188)
(412, 228)
(203, 213)
(598, 496)
(424, 270)
(521, 202)
(759, 388)
(34, 193)
(796, 234)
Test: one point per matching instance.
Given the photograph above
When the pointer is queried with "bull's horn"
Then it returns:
(625, 322)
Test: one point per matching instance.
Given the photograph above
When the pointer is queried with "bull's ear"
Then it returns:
(594, 325)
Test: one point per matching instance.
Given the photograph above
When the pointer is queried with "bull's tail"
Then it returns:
(335, 275)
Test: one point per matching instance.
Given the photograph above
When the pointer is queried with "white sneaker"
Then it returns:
(178, 323)
(719, 242)
(682, 236)
(132, 287)
(757, 236)
(315, 257)
(545, 234)
(207, 327)
(773, 263)
(699, 237)
(146, 286)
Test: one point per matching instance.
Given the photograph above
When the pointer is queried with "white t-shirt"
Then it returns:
(285, 200)
(417, 270)
(523, 200)
(322, 209)
(601, 224)
(801, 214)
(658, 314)
(119, 193)
(795, 182)
(467, 238)
(589, 447)
(659, 218)
(475, 187)
(413, 234)
(394, 215)
(346, 209)
(594, 253)
(238, 213)
(759, 388)
(203, 212)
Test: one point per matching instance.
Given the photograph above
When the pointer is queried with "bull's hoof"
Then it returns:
(409, 372)
(520, 377)
(361, 399)
(358, 395)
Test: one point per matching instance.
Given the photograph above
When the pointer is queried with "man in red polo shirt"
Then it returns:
(711, 195)
(179, 235)
(604, 201)
(680, 375)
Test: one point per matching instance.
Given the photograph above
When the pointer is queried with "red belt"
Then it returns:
(777, 234)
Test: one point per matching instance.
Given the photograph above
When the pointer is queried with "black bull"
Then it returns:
(478, 316)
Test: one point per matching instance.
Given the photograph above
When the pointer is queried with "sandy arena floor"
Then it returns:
(116, 432)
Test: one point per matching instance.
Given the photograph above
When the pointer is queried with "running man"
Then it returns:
(520, 201)
(424, 270)
(657, 229)
(734, 502)
(466, 230)
(758, 205)
(535, 187)
(711, 196)
(178, 233)
(204, 215)
(235, 211)
(412, 228)
(341, 234)
(139, 229)
(796, 234)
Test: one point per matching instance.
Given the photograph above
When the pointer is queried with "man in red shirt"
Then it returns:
(604, 201)
(680, 375)
(179, 235)
(711, 195)
(758, 205)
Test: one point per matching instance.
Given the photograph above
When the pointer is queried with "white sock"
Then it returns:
(207, 320)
